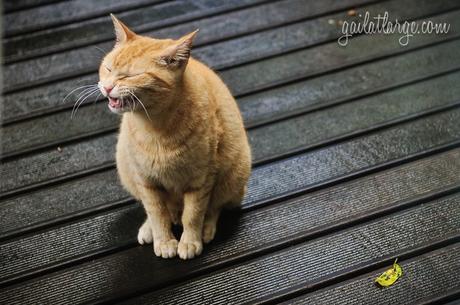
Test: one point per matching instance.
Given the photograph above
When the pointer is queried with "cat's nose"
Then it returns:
(108, 89)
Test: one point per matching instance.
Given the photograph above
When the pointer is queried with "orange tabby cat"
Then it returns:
(182, 148)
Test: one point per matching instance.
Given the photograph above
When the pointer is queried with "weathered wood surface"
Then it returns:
(356, 156)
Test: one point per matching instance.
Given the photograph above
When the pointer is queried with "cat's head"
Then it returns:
(142, 73)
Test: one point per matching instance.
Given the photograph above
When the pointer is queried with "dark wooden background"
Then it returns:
(356, 157)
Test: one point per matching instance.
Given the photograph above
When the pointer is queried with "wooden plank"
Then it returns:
(213, 28)
(74, 62)
(102, 232)
(453, 300)
(58, 203)
(343, 85)
(322, 59)
(81, 196)
(279, 102)
(378, 183)
(384, 107)
(425, 277)
(315, 261)
(385, 147)
(44, 17)
(81, 238)
(57, 164)
(48, 166)
(250, 77)
(320, 127)
(16, 5)
(118, 228)
(289, 36)
(306, 263)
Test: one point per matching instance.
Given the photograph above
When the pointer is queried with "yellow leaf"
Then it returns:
(390, 276)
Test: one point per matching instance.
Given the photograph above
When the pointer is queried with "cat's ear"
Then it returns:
(122, 32)
(178, 54)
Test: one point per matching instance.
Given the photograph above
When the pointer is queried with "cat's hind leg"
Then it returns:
(222, 197)
(210, 224)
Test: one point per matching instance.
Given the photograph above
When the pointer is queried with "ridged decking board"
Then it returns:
(387, 107)
(313, 261)
(244, 239)
(213, 28)
(247, 78)
(356, 157)
(254, 76)
(371, 199)
(52, 68)
(441, 266)
(218, 55)
(285, 100)
(46, 16)
(75, 159)
(17, 5)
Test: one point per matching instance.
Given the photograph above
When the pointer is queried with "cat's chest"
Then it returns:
(158, 158)
(166, 167)
(173, 165)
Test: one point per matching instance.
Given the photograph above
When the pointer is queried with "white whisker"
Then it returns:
(81, 100)
(97, 97)
(84, 92)
(131, 103)
(124, 94)
(142, 104)
(81, 87)
(88, 95)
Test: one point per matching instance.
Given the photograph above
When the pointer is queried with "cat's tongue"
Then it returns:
(114, 102)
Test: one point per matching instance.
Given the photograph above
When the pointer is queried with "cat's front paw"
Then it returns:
(144, 236)
(189, 248)
(165, 248)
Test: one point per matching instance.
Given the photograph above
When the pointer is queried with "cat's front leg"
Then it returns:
(144, 236)
(195, 206)
(155, 201)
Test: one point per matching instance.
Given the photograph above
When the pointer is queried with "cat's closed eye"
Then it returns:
(123, 76)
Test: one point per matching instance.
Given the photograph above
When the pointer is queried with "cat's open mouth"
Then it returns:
(115, 103)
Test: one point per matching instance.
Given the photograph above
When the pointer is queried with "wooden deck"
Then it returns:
(356, 157)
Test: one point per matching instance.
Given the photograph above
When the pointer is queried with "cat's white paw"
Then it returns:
(189, 248)
(165, 248)
(144, 236)
(209, 231)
